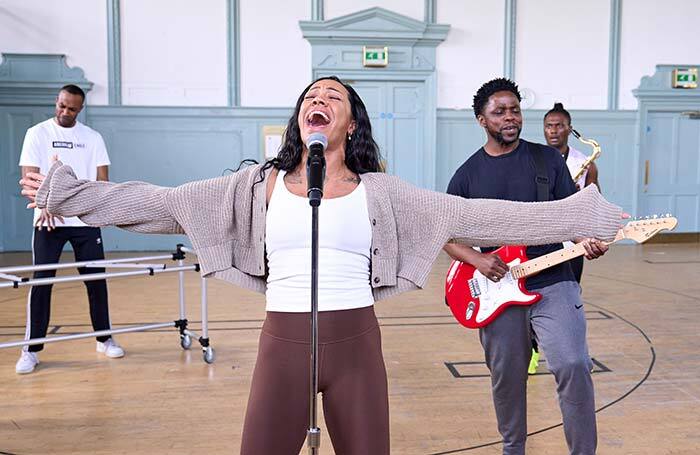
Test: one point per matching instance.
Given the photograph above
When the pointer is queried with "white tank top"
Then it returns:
(345, 239)
(574, 161)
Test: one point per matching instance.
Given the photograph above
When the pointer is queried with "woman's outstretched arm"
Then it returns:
(490, 222)
(136, 206)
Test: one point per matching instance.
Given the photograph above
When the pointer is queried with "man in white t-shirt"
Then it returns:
(84, 150)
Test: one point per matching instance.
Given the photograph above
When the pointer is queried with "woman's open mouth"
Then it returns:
(317, 119)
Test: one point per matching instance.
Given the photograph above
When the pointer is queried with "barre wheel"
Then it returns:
(185, 341)
(209, 355)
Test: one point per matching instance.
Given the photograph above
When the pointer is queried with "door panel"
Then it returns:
(17, 219)
(406, 141)
(686, 209)
(408, 98)
(688, 161)
(670, 163)
(396, 110)
(405, 131)
(373, 94)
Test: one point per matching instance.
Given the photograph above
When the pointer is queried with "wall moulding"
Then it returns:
(338, 42)
(34, 79)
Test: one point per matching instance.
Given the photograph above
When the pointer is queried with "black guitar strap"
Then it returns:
(541, 178)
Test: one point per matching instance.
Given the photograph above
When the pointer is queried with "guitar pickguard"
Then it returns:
(496, 294)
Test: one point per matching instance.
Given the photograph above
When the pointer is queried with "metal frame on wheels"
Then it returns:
(10, 279)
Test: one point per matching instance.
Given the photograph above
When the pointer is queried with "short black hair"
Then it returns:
(559, 109)
(73, 90)
(500, 84)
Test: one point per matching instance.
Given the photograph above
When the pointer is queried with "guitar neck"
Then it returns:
(639, 231)
(536, 265)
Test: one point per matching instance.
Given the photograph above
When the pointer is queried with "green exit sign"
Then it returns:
(685, 78)
(375, 56)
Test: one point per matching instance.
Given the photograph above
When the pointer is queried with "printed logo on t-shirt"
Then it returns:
(67, 145)
(62, 145)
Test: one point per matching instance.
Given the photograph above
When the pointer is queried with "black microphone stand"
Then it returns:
(315, 174)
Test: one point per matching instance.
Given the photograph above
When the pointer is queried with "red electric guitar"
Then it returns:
(475, 300)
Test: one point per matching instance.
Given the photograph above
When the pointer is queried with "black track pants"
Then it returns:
(47, 247)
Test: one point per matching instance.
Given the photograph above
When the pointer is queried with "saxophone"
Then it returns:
(596, 153)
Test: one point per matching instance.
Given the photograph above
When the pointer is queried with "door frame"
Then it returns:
(337, 46)
(655, 94)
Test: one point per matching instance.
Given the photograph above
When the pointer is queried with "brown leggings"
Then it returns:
(351, 377)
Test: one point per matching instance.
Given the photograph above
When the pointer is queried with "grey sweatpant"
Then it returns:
(559, 324)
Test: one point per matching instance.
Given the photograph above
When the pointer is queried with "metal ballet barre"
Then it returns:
(10, 279)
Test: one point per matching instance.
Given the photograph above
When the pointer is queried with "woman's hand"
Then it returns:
(48, 219)
(30, 183)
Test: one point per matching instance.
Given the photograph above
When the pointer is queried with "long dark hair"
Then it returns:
(361, 152)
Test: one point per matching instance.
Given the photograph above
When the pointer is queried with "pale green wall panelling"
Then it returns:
(170, 146)
(162, 145)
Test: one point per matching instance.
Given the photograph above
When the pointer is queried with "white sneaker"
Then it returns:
(27, 362)
(110, 348)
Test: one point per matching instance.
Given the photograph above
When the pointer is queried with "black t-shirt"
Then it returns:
(512, 177)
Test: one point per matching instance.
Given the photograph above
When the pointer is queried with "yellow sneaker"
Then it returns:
(534, 361)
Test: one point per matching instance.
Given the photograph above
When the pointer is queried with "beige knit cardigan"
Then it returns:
(224, 219)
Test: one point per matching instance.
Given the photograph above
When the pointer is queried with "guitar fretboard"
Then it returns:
(639, 231)
(548, 260)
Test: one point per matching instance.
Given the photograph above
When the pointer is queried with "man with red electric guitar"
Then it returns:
(507, 167)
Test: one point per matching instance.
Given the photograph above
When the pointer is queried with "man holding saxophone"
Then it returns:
(557, 127)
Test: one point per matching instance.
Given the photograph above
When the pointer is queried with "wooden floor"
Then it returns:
(643, 313)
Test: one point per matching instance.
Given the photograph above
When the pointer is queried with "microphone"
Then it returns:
(316, 167)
